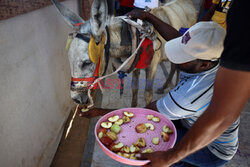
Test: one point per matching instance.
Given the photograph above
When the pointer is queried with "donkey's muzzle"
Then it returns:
(81, 100)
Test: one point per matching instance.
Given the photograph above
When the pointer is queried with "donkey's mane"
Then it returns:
(112, 20)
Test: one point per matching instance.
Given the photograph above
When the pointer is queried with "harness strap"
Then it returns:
(137, 57)
(84, 38)
(78, 24)
(90, 80)
(106, 48)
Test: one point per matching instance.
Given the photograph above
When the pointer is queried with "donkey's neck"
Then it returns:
(116, 50)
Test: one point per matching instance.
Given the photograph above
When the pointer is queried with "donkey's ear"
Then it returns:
(72, 19)
(99, 15)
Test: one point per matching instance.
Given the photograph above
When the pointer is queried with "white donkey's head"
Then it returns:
(81, 64)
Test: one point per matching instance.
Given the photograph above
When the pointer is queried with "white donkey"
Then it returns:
(178, 13)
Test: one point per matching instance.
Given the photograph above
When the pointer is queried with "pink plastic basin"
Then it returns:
(128, 135)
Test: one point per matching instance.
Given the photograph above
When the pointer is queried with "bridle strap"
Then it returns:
(90, 79)
(106, 51)
(82, 37)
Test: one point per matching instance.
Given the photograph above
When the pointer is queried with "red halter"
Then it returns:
(91, 79)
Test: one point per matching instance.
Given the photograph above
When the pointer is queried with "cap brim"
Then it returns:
(175, 53)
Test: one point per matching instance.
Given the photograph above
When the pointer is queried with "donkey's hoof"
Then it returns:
(160, 91)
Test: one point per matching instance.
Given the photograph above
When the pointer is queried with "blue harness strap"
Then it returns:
(121, 76)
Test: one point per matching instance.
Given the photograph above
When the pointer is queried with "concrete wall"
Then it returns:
(34, 86)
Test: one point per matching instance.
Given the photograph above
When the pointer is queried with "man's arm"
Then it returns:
(152, 106)
(101, 111)
(164, 29)
(231, 93)
(201, 8)
(94, 112)
(209, 14)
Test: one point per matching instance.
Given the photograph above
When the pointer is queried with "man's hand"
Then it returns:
(157, 159)
(138, 14)
(93, 112)
(87, 114)
(164, 29)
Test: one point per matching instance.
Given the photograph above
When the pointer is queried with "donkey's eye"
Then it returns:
(85, 63)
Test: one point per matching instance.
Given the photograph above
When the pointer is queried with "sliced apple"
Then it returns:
(167, 129)
(117, 147)
(150, 126)
(156, 119)
(156, 140)
(149, 150)
(126, 119)
(119, 122)
(114, 118)
(120, 154)
(141, 143)
(106, 140)
(137, 149)
(106, 125)
(122, 150)
(141, 128)
(125, 155)
(100, 135)
(115, 128)
(112, 135)
(84, 109)
(126, 149)
(104, 130)
(111, 146)
(128, 114)
(165, 136)
(150, 117)
(132, 156)
(101, 132)
(132, 148)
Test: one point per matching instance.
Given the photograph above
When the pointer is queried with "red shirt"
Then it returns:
(127, 3)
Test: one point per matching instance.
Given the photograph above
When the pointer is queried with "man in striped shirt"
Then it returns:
(197, 55)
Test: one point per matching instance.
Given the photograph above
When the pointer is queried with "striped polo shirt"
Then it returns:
(189, 99)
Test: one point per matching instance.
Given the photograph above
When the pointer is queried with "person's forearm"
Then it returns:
(208, 15)
(152, 106)
(164, 29)
(203, 132)
(201, 9)
(231, 93)
(94, 112)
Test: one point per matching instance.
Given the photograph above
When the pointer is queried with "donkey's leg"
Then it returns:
(134, 85)
(148, 93)
(168, 81)
(164, 69)
(150, 75)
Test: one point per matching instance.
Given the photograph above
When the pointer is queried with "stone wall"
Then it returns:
(35, 77)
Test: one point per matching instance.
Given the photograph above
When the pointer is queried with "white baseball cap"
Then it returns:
(204, 40)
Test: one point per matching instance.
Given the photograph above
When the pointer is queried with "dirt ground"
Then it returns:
(70, 149)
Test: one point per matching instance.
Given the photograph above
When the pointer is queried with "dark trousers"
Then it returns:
(201, 158)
